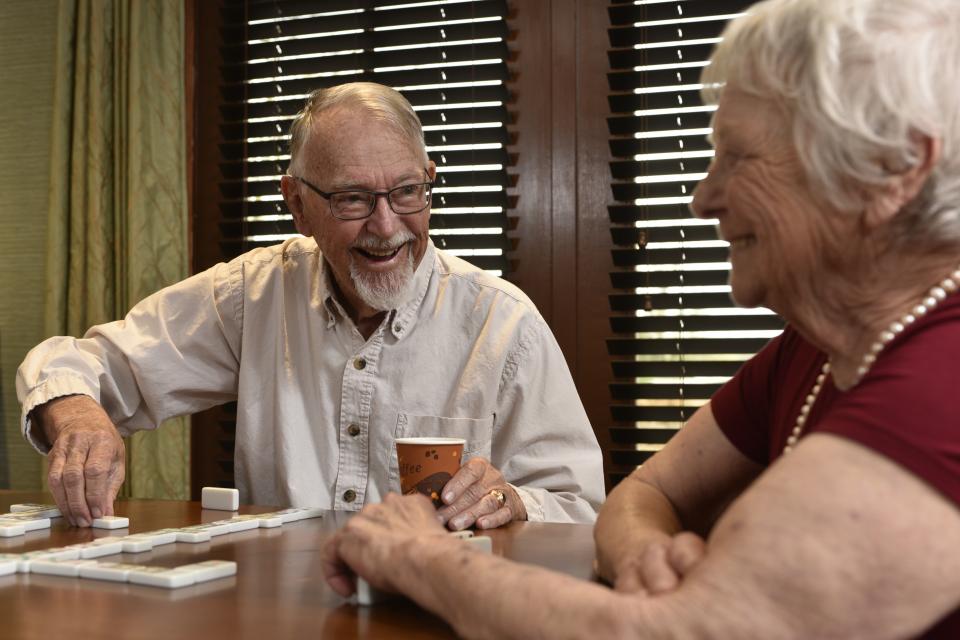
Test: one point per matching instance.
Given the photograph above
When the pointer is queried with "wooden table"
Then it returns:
(278, 591)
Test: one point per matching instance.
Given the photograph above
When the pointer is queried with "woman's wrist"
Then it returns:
(416, 557)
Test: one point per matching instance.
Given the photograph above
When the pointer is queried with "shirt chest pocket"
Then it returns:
(477, 432)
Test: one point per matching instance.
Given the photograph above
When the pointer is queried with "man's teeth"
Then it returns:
(381, 253)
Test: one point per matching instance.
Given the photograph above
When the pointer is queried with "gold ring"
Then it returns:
(501, 499)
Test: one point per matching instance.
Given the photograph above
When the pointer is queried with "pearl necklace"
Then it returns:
(937, 294)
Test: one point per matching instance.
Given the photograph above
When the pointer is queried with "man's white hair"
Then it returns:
(380, 101)
(862, 81)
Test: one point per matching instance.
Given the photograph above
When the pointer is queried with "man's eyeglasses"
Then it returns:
(357, 204)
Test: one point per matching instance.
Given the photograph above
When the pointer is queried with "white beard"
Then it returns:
(384, 291)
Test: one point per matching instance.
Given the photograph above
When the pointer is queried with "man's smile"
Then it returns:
(380, 257)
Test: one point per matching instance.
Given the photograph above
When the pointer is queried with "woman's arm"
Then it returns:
(833, 541)
(683, 487)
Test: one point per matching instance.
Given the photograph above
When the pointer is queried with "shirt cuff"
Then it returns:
(48, 390)
(530, 503)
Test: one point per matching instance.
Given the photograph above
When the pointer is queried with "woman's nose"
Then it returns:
(707, 196)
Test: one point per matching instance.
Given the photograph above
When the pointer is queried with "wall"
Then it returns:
(562, 242)
(27, 48)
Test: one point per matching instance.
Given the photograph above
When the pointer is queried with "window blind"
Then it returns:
(677, 336)
(448, 58)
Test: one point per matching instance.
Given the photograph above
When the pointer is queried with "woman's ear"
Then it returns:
(884, 202)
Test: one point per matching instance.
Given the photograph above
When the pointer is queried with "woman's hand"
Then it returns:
(660, 567)
(375, 542)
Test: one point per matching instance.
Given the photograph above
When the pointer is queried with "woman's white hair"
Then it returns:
(381, 101)
(864, 82)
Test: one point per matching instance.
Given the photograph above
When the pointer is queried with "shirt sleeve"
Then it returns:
(905, 408)
(548, 450)
(176, 352)
(742, 407)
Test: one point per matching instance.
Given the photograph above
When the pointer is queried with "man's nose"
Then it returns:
(383, 222)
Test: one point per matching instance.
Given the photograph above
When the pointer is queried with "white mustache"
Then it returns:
(372, 242)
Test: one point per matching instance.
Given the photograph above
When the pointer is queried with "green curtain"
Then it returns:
(118, 223)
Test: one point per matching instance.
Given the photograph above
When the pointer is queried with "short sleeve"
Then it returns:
(741, 407)
(907, 407)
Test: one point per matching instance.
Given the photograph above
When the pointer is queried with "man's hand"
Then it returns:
(469, 499)
(660, 567)
(86, 458)
(373, 542)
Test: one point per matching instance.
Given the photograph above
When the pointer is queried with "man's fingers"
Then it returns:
(462, 520)
(485, 505)
(55, 482)
(469, 499)
(496, 519)
(475, 500)
(117, 475)
(468, 475)
(74, 486)
(486, 478)
(96, 477)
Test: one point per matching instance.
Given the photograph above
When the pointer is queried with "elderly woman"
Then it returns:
(817, 494)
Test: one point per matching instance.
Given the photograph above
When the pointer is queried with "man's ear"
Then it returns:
(432, 173)
(884, 202)
(291, 195)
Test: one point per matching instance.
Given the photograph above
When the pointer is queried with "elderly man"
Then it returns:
(817, 495)
(333, 346)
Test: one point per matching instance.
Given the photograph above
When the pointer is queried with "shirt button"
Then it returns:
(349, 495)
(353, 430)
(359, 363)
(398, 327)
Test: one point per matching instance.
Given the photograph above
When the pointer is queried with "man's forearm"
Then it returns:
(634, 514)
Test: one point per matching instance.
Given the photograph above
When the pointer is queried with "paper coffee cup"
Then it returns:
(427, 464)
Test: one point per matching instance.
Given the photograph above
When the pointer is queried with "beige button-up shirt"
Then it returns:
(318, 406)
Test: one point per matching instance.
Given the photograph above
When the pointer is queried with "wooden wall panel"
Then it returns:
(562, 238)
(211, 447)
(531, 105)
(593, 242)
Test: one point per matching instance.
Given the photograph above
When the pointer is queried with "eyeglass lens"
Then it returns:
(359, 204)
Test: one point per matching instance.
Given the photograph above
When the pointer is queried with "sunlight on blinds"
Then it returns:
(447, 57)
(678, 336)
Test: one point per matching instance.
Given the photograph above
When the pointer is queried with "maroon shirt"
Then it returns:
(906, 408)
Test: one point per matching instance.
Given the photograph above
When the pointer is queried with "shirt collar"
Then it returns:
(331, 306)
(402, 319)
(406, 316)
